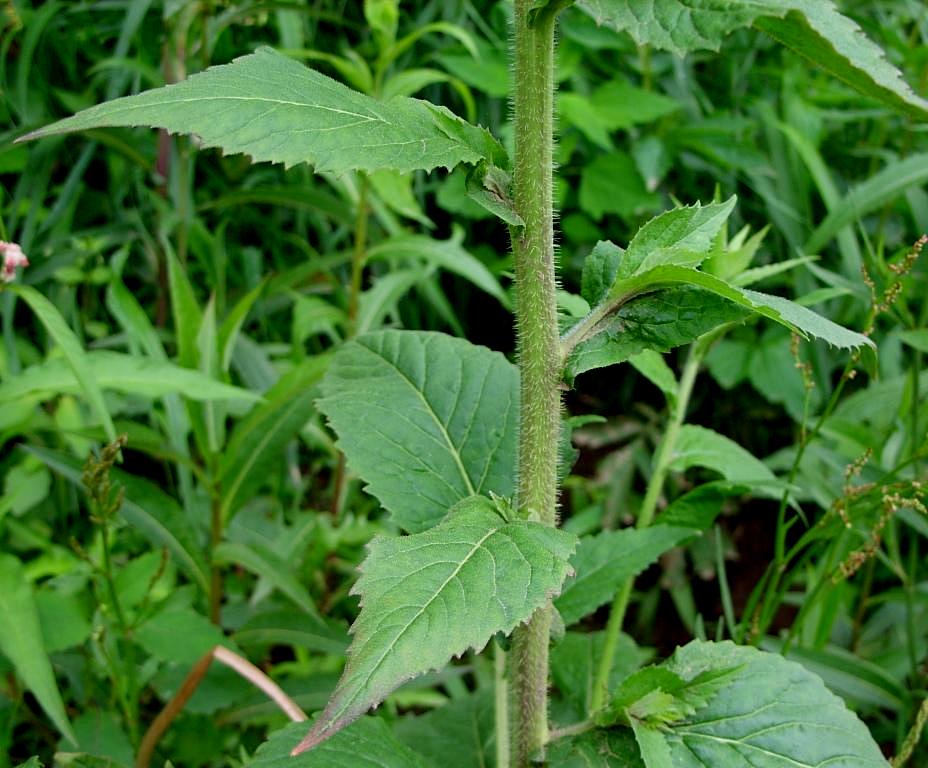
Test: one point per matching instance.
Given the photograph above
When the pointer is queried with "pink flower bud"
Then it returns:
(13, 257)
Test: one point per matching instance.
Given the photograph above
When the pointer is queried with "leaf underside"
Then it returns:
(813, 28)
(426, 420)
(432, 596)
(274, 109)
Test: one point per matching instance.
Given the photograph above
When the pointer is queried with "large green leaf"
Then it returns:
(72, 350)
(368, 743)
(606, 561)
(768, 712)
(426, 420)
(681, 236)
(258, 442)
(788, 313)
(21, 642)
(124, 373)
(658, 321)
(813, 28)
(147, 508)
(431, 596)
(275, 109)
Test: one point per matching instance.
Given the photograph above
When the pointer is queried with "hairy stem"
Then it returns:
(662, 463)
(536, 322)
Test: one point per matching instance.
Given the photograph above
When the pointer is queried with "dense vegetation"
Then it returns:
(176, 366)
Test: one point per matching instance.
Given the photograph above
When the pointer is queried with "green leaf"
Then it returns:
(614, 748)
(600, 270)
(180, 637)
(681, 236)
(148, 509)
(657, 321)
(576, 658)
(700, 447)
(813, 28)
(72, 350)
(62, 618)
(460, 734)
(426, 420)
(488, 186)
(21, 642)
(817, 31)
(771, 712)
(446, 254)
(258, 441)
(266, 564)
(124, 373)
(186, 313)
(788, 313)
(286, 627)
(605, 561)
(654, 368)
(275, 109)
(868, 196)
(917, 339)
(367, 743)
(611, 184)
(431, 596)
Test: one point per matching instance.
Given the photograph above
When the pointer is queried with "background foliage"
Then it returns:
(207, 293)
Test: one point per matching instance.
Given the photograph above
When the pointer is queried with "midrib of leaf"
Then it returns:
(399, 635)
(452, 448)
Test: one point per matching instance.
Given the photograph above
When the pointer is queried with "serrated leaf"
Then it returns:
(813, 28)
(605, 561)
(367, 743)
(658, 321)
(772, 712)
(681, 236)
(426, 420)
(274, 109)
(124, 373)
(788, 313)
(431, 596)
(21, 642)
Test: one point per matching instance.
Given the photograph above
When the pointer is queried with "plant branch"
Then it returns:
(539, 353)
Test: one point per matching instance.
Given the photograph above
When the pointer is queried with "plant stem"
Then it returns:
(662, 462)
(501, 708)
(215, 538)
(539, 364)
(358, 257)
